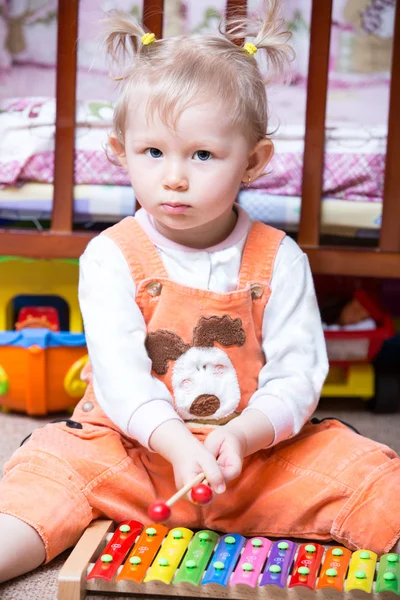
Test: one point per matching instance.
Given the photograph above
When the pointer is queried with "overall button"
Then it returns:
(154, 288)
(256, 290)
(87, 406)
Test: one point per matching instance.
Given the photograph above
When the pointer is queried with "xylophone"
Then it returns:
(153, 560)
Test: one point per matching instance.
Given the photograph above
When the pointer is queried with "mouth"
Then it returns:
(175, 208)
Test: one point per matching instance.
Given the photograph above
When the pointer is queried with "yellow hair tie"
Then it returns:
(250, 48)
(148, 38)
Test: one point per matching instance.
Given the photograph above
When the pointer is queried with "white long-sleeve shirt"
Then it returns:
(289, 384)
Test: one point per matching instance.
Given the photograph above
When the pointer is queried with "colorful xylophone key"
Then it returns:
(117, 548)
(279, 563)
(251, 561)
(388, 579)
(197, 557)
(169, 555)
(334, 569)
(361, 571)
(306, 566)
(224, 560)
(143, 553)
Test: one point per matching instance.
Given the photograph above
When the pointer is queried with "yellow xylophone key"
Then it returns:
(169, 556)
(361, 571)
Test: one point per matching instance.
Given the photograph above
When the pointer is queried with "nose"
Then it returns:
(175, 180)
(205, 405)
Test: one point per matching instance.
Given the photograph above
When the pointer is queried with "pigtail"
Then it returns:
(122, 37)
(266, 31)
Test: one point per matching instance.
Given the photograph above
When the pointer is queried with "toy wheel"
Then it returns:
(387, 392)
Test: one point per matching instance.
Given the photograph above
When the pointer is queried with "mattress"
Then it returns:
(108, 204)
(338, 217)
(92, 203)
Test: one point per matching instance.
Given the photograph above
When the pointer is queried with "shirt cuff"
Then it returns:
(277, 412)
(148, 417)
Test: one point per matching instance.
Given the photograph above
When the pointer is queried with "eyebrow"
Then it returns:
(198, 144)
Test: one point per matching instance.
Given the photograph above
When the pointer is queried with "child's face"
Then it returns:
(188, 177)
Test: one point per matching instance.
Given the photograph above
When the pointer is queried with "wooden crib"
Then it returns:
(61, 241)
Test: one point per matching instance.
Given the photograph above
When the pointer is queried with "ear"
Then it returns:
(259, 157)
(224, 330)
(162, 346)
(117, 148)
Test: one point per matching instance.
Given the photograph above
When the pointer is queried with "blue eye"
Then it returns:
(154, 152)
(203, 155)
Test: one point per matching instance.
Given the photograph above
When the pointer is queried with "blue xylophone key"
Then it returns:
(279, 563)
(224, 559)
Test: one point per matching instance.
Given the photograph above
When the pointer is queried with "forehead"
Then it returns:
(200, 117)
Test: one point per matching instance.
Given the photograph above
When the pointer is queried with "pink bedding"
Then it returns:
(355, 139)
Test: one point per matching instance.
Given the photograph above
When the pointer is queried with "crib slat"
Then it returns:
(236, 7)
(314, 143)
(390, 231)
(43, 244)
(65, 116)
(360, 262)
(153, 16)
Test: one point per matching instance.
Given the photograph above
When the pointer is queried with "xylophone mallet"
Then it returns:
(201, 494)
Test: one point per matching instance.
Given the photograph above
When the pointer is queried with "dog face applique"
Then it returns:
(204, 381)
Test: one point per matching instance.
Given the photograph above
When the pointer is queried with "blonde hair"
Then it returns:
(178, 71)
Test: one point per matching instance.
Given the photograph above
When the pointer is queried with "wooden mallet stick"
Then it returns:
(185, 489)
(161, 511)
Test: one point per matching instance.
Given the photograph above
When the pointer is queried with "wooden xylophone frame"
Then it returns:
(72, 583)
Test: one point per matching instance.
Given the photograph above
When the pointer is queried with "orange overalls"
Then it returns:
(327, 482)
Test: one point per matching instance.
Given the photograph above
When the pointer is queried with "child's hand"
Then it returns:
(187, 455)
(195, 458)
(228, 447)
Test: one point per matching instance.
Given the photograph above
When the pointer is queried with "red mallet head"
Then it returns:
(159, 512)
(201, 493)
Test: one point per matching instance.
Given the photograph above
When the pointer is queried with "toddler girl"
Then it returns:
(203, 333)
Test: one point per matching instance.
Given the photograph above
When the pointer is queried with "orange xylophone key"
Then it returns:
(334, 569)
(143, 552)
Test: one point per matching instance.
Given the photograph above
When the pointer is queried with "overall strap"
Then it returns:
(259, 254)
(137, 248)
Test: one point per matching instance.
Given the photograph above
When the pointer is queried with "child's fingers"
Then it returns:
(214, 475)
(231, 466)
(213, 443)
